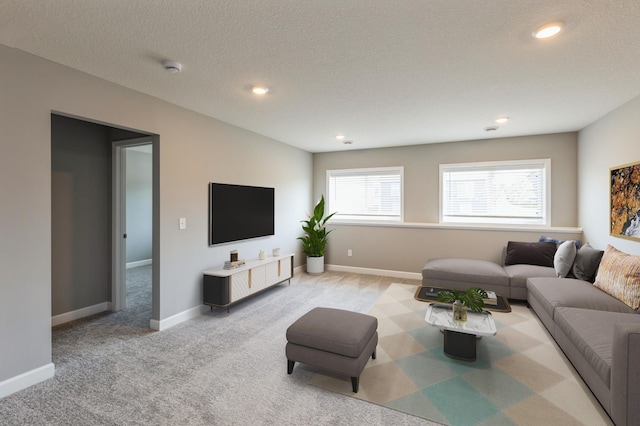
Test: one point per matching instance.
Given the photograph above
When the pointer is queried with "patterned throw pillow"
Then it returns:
(619, 276)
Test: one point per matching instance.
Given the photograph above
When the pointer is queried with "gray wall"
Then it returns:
(612, 141)
(193, 150)
(408, 248)
(80, 214)
(139, 200)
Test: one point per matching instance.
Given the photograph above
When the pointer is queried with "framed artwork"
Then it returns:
(625, 201)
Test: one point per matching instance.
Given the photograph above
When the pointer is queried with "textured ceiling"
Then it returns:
(381, 72)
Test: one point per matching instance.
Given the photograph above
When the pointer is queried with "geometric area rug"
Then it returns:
(520, 376)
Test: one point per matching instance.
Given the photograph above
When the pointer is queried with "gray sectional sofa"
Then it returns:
(598, 333)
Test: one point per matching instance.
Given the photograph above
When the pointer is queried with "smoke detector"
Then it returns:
(172, 67)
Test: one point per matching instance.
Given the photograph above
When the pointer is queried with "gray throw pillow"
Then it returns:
(586, 264)
(530, 253)
(564, 257)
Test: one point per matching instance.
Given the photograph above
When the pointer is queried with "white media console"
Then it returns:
(223, 287)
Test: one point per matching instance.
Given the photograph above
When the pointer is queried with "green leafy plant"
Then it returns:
(472, 297)
(315, 240)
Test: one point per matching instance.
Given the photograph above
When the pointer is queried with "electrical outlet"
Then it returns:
(349, 253)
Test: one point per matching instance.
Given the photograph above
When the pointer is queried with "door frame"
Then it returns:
(119, 221)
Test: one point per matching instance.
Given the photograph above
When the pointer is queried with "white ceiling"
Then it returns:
(382, 72)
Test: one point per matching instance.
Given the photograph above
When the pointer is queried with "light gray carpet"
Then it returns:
(217, 369)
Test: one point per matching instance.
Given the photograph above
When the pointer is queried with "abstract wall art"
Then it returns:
(625, 201)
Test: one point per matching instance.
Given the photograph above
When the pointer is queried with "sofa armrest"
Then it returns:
(625, 374)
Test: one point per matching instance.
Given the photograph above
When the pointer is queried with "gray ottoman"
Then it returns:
(333, 340)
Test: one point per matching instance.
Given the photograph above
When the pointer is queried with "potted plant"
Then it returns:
(471, 298)
(315, 239)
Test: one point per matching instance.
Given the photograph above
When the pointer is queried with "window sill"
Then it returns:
(459, 226)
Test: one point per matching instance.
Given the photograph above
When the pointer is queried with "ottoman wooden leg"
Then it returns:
(290, 365)
(355, 384)
(373, 355)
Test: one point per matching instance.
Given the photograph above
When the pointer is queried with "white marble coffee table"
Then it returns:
(460, 337)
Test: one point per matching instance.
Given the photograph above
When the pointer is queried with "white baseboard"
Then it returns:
(80, 313)
(381, 272)
(177, 318)
(199, 310)
(139, 263)
(24, 380)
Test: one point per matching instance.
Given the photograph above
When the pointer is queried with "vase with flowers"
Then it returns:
(315, 239)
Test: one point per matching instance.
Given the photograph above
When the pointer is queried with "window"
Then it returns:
(502, 192)
(366, 194)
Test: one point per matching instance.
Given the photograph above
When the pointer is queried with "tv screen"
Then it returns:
(238, 212)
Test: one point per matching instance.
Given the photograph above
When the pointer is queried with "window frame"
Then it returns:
(360, 171)
(544, 163)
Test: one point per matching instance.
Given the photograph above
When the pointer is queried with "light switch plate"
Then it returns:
(183, 223)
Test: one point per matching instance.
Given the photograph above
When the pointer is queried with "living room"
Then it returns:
(194, 149)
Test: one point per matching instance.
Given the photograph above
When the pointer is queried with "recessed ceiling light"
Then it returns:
(548, 30)
(502, 120)
(259, 90)
(339, 137)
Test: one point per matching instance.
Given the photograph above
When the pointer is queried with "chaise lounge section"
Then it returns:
(521, 260)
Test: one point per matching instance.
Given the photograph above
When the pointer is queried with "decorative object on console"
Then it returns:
(625, 201)
(234, 255)
(262, 255)
(234, 264)
(472, 298)
(315, 239)
(275, 252)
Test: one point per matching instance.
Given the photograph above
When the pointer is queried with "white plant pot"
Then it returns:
(315, 265)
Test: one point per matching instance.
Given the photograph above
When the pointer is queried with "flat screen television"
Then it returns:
(239, 212)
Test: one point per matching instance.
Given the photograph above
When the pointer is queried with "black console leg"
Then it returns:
(355, 384)
(290, 365)
(373, 355)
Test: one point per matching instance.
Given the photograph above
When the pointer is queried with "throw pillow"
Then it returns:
(619, 276)
(544, 239)
(536, 253)
(586, 263)
(564, 257)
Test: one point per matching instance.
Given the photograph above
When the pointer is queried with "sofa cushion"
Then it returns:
(473, 271)
(520, 273)
(619, 275)
(591, 332)
(535, 253)
(586, 263)
(564, 257)
(551, 293)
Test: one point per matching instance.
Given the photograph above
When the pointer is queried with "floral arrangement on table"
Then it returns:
(315, 239)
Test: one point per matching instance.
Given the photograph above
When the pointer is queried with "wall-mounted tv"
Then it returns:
(239, 212)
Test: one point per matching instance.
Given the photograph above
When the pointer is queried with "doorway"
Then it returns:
(84, 237)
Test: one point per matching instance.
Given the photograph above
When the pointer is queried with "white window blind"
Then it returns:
(366, 194)
(505, 192)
